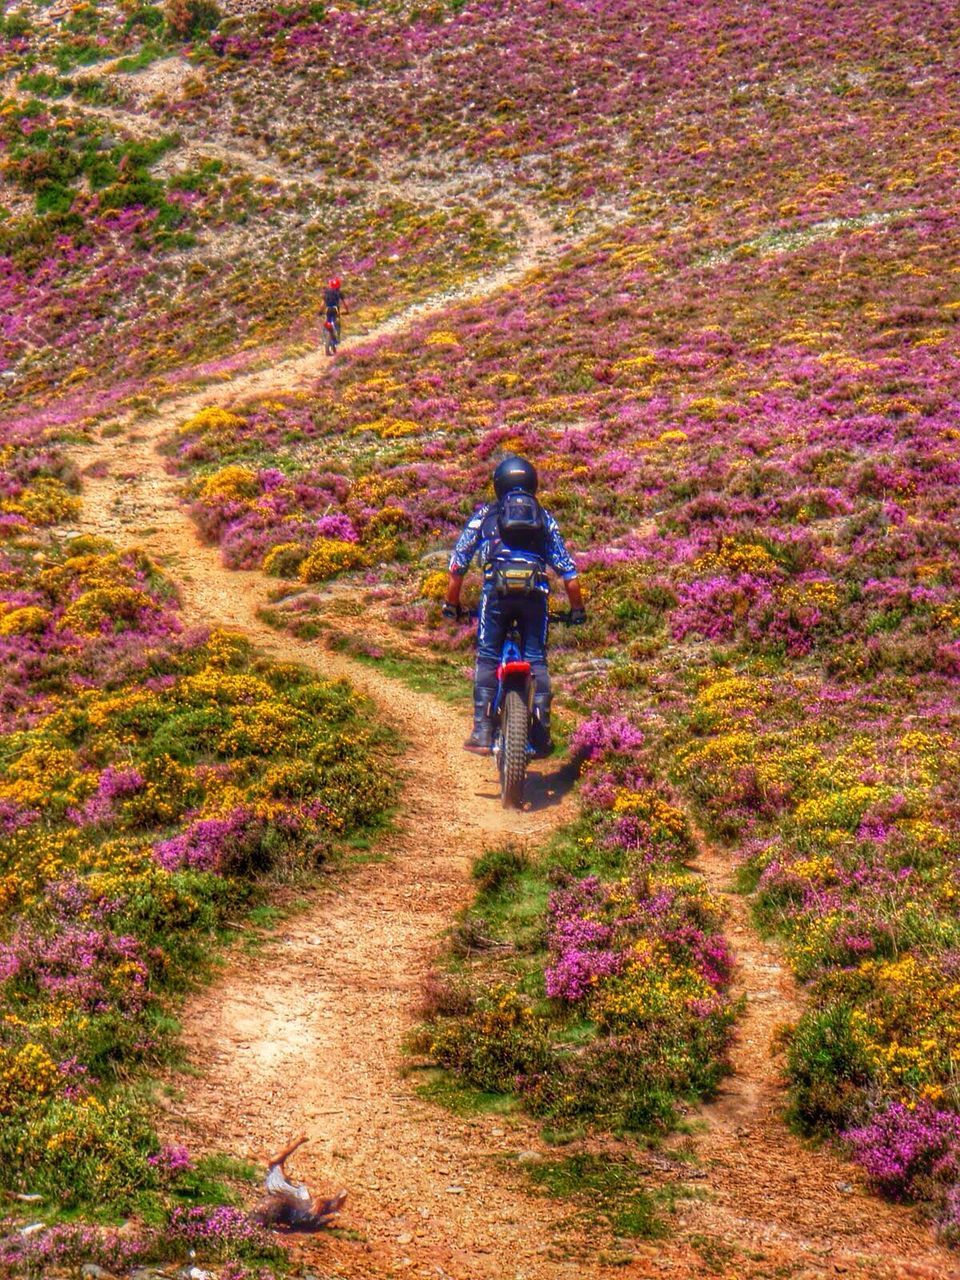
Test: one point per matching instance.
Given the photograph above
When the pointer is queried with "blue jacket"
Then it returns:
(476, 541)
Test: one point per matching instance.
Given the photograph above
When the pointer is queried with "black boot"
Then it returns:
(481, 740)
(540, 726)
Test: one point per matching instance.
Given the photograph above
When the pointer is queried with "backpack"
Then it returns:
(521, 524)
(518, 545)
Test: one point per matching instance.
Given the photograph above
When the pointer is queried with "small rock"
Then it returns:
(455, 1191)
(845, 1187)
(405, 1238)
(529, 1157)
(90, 1271)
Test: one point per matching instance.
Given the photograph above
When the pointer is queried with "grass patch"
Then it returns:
(139, 61)
(439, 678)
(608, 1191)
(448, 1091)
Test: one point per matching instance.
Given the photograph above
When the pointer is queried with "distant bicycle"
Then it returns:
(331, 336)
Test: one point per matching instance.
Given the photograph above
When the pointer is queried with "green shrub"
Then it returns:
(827, 1070)
(498, 867)
(15, 26)
(53, 198)
(148, 16)
(89, 1152)
(503, 1038)
(189, 18)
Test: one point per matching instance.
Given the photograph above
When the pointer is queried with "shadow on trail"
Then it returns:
(542, 790)
(545, 790)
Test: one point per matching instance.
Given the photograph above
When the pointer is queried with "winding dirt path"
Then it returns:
(306, 1035)
(140, 125)
(542, 245)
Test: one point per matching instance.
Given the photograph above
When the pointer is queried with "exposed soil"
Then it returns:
(307, 1035)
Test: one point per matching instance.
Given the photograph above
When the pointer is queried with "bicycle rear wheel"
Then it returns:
(513, 749)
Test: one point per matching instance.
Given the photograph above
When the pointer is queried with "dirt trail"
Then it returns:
(307, 1035)
(542, 245)
(141, 126)
(771, 1194)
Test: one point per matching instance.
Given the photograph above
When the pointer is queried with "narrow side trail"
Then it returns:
(775, 1197)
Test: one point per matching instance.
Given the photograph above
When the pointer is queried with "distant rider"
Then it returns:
(514, 540)
(334, 301)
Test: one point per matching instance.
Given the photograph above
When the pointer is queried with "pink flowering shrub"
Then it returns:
(630, 945)
(903, 1150)
(598, 735)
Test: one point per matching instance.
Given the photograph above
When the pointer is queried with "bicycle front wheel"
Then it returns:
(513, 749)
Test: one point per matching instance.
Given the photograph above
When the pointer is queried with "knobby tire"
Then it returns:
(513, 754)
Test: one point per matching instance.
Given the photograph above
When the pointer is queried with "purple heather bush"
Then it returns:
(172, 1161)
(909, 1152)
(601, 734)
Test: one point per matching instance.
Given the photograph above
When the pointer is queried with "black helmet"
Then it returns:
(515, 473)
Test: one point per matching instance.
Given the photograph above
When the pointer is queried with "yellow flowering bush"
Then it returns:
(116, 607)
(212, 422)
(27, 1075)
(30, 620)
(329, 556)
(434, 586)
(284, 559)
(232, 484)
(46, 501)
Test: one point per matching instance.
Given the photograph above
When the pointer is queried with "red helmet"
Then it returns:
(335, 282)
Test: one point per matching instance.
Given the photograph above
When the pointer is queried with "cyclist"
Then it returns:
(333, 301)
(514, 540)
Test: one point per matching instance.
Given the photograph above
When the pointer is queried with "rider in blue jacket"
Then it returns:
(514, 540)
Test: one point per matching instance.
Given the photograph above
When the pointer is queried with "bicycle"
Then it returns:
(331, 335)
(512, 713)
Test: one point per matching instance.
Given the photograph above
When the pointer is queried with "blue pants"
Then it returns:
(496, 614)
